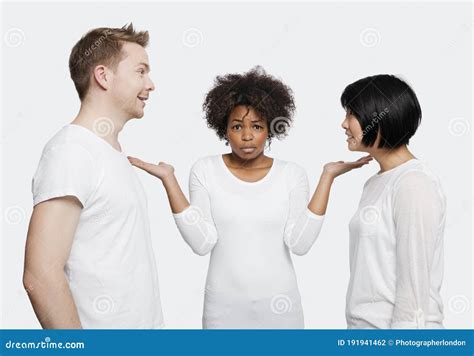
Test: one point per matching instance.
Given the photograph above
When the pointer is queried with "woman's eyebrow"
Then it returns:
(254, 120)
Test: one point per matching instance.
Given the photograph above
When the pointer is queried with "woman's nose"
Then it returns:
(247, 135)
(344, 124)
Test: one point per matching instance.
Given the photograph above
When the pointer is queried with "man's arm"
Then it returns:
(50, 236)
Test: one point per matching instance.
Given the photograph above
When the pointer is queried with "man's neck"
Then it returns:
(102, 122)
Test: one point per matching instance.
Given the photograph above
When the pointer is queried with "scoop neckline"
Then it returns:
(97, 137)
(240, 181)
(395, 168)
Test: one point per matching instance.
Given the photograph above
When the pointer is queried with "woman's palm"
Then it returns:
(160, 170)
(341, 167)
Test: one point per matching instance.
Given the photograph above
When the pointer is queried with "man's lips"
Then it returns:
(142, 99)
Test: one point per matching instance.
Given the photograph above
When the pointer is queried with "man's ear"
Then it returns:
(102, 77)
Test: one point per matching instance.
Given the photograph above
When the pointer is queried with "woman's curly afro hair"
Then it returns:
(268, 96)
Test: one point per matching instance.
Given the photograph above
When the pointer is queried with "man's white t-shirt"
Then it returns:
(111, 267)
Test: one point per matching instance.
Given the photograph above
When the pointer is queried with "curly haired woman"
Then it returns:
(247, 209)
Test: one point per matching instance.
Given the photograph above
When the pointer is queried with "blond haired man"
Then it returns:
(89, 261)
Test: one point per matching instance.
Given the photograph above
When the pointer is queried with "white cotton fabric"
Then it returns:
(396, 251)
(249, 228)
(111, 267)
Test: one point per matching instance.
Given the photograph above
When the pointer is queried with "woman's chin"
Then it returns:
(245, 156)
(354, 148)
(352, 145)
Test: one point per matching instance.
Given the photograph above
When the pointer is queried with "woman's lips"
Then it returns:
(248, 149)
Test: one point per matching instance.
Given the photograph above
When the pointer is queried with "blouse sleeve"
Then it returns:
(302, 226)
(417, 213)
(195, 223)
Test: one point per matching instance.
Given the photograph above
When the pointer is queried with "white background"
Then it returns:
(317, 49)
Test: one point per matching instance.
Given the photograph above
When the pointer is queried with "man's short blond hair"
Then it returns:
(100, 46)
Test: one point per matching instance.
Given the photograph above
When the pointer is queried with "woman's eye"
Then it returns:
(236, 127)
(258, 127)
(142, 71)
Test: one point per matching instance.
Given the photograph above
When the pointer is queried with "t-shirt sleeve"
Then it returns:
(64, 170)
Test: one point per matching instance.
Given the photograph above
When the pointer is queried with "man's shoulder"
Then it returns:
(71, 137)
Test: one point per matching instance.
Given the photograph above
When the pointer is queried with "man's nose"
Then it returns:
(151, 85)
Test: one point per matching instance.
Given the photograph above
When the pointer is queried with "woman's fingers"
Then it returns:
(160, 170)
(140, 164)
(365, 158)
(361, 162)
(135, 161)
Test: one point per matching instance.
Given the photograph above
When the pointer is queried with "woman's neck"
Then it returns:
(389, 159)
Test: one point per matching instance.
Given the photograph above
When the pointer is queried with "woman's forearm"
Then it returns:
(177, 199)
(319, 201)
(198, 232)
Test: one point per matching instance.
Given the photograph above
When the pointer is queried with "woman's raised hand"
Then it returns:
(335, 169)
(161, 170)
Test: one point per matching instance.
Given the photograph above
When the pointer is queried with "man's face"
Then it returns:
(131, 81)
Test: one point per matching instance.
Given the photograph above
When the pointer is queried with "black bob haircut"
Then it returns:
(383, 103)
(271, 99)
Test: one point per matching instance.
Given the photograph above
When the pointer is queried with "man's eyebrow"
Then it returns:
(146, 65)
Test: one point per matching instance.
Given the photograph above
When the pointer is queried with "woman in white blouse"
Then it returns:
(247, 209)
(396, 235)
